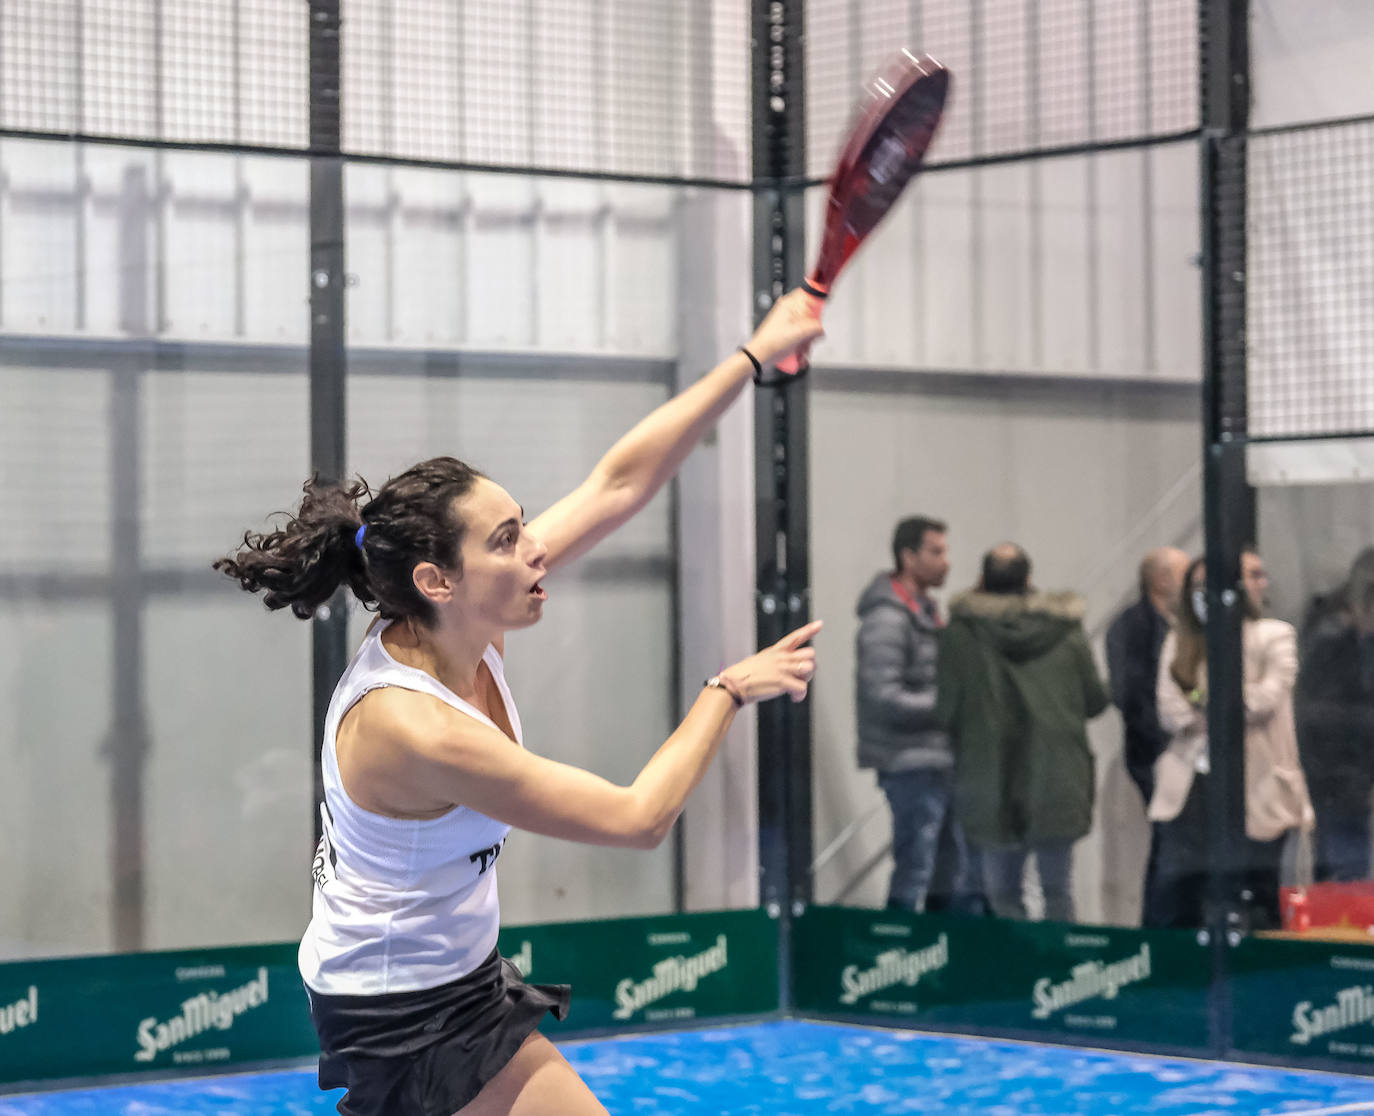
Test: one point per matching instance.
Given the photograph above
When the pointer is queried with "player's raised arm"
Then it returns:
(639, 464)
(472, 764)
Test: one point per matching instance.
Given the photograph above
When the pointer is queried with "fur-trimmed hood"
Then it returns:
(1021, 626)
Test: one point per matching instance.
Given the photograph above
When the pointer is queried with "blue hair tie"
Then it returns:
(358, 536)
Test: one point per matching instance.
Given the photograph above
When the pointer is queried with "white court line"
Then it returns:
(1361, 1106)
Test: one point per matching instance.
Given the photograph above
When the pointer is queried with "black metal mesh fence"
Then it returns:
(632, 87)
(173, 70)
(1310, 314)
(614, 87)
(1029, 74)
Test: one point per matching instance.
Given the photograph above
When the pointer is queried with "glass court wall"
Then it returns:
(530, 270)
(1018, 353)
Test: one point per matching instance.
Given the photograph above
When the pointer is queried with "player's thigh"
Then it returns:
(536, 1082)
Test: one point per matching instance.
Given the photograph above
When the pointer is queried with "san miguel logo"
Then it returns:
(22, 1013)
(1089, 981)
(1351, 1007)
(893, 967)
(203, 1012)
(672, 974)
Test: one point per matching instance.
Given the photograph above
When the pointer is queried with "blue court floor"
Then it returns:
(800, 1069)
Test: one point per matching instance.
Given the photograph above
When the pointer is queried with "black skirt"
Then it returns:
(428, 1053)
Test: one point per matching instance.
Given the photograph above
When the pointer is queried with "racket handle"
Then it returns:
(814, 294)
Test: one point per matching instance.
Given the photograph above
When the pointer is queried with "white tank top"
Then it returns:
(399, 905)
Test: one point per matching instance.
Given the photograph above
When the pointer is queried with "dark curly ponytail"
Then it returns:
(411, 519)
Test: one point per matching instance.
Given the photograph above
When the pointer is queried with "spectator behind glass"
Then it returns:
(1016, 687)
(899, 737)
(1134, 641)
(1335, 711)
(1276, 799)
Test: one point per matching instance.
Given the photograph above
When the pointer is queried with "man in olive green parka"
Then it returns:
(1016, 685)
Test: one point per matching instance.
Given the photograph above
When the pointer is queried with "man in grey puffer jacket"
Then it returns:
(899, 737)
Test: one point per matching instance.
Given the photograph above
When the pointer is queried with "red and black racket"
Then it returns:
(896, 120)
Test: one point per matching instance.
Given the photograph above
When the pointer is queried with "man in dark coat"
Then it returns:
(1016, 685)
(898, 735)
(1133, 644)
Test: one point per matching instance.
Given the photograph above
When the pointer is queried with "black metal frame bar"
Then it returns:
(782, 586)
(328, 344)
(1228, 501)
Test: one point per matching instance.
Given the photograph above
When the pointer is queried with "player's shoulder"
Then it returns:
(412, 719)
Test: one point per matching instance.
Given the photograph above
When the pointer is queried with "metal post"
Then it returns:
(780, 438)
(1228, 501)
(328, 356)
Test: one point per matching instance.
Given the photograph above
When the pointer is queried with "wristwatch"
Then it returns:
(716, 682)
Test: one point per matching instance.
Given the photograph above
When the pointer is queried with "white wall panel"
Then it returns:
(200, 245)
(40, 236)
(1005, 304)
(642, 268)
(1311, 61)
(1080, 265)
(92, 242)
(1122, 266)
(54, 470)
(276, 249)
(370, 197)
(947, 264)
(55, 817)
(1177, 280)
(118, 283)
(1065, 277)
(423, 219)
(576, 229)
(501, 277)
(500, 262)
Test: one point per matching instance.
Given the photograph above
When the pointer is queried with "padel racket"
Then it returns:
(896, 120)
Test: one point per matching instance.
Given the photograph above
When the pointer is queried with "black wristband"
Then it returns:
(758, 368)
(716, 682)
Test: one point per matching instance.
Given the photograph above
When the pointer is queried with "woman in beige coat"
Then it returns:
(1276, 799)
